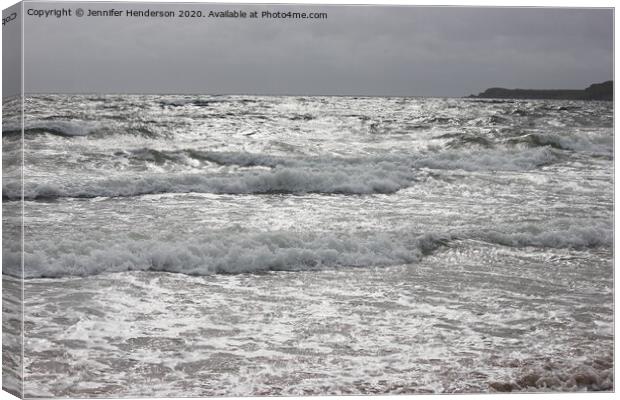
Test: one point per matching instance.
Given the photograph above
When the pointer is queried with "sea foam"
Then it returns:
(237, 251)
(325, 175)
(220, 252)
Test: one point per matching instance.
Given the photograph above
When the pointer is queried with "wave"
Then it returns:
(77, 128)
(355, 176)
(470, 160)
(185, 102)
(485, 160)
(60, 128)
(220, 253)
(235, 251)
(241, 159)
(377, 178)
(597, 144)
(560, 234)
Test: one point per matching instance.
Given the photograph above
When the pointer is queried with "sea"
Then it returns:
(198, 245)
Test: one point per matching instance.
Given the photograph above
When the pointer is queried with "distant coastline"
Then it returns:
(597, 91)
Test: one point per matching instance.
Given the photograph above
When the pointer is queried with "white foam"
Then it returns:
(220, 252)
(556, 235)
(310, 175)
(483, 160)
(590, 142)
(57, 127)
(238, 252)
(345, 180)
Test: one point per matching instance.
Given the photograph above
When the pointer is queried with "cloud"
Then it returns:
(358, 50)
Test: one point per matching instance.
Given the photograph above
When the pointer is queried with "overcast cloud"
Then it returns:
(358, 50)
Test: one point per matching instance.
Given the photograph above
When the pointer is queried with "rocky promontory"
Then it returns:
(596, 91)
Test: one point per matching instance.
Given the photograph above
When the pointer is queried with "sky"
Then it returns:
(357, 50)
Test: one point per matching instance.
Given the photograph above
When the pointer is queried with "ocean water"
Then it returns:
(248, 245)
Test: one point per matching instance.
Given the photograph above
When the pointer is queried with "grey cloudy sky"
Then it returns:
(358, 50)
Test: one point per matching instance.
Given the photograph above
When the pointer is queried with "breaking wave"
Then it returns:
(241, 159)
(280, 180)
(60, 128)
(233, 252)
(560, 234)
(220, 252)
(81, 128)
(470, 160)
(596, 144)
(493, 159)
(287, 176)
